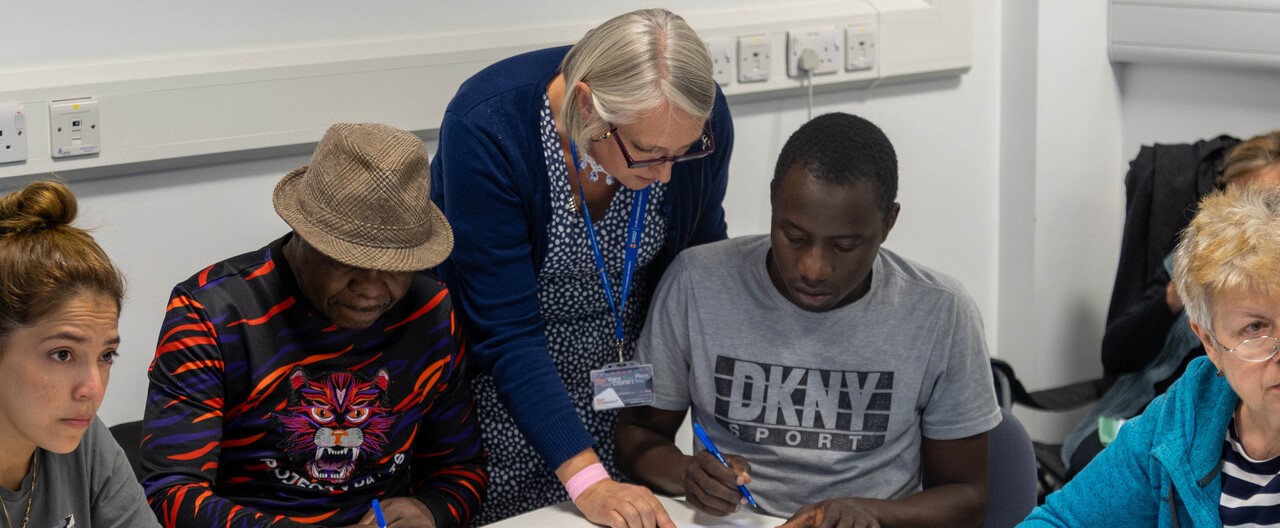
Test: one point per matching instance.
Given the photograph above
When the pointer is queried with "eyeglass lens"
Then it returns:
(1257, 348)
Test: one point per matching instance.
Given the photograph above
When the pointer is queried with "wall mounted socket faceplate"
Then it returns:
(827, 42)
(73, 128)
(860, 47)
(13, 134)
(721, 51)
(755, 55)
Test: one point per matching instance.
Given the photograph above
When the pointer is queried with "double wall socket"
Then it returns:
(13, 134)
(755, 57)
(73, 128)
(826, 42)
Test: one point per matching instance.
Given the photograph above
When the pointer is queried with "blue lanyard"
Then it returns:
(635, 231)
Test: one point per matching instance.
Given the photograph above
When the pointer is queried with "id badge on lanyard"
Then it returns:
(625, 383)
(619, 385)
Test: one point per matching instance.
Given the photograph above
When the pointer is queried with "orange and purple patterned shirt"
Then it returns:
(261, 412)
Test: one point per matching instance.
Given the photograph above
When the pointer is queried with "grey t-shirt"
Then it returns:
(91, 487)
(823, 405)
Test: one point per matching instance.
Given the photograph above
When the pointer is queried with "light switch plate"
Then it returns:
(74, 129)
(13, 134)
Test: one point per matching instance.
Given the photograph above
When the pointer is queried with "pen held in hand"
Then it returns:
(706, 441)
(377, 514)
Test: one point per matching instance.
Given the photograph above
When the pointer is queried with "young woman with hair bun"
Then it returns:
(60, 299)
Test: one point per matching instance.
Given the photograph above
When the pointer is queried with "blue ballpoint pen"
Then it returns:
(706, 441)
(377, 514)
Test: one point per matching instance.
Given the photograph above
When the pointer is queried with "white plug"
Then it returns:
(826, 44)
(809, 61)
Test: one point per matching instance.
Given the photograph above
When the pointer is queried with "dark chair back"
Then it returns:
(129, 436)
(1012, 488)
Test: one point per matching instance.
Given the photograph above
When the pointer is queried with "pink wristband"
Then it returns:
(584, 478)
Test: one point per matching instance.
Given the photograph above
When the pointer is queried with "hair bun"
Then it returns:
(39, 206)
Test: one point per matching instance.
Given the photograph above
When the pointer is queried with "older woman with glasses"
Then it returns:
(571, 177)
(1207, 453)
(1149, 343)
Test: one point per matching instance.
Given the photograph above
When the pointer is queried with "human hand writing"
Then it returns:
(834, 513)
(402, 512)
(712, 488)
(618, 505)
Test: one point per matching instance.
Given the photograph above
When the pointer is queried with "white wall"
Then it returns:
(1076, 192)
(161, 227)
(1167, 104)
(1079, 185)
(945, 133)
(61, 33)
(1011, 175)
(1017, 184)
(1088, 118)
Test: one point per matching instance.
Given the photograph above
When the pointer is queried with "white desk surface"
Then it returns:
(565, 515)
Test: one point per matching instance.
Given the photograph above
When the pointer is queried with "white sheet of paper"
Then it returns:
(565, 515)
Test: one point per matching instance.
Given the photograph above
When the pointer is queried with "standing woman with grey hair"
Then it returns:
(572, 177)
(1207, 452)
(59, 309)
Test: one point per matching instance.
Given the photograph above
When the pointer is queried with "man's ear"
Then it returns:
(890, 219)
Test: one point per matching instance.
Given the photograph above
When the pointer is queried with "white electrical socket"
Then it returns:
(755, 56)
(826, 42)
(860, 48)
(73, 128)
(13, 134)
(721, 51)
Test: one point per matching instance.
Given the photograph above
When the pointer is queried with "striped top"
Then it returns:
(261, 412)
(1250, 488)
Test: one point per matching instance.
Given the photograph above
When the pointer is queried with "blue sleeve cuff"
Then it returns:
(559, 437)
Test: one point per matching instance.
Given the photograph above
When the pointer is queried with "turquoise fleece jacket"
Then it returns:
(1162, 470)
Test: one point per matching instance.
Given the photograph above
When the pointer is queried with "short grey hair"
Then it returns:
(635, 63)
(1231, 246)
(1258, 153)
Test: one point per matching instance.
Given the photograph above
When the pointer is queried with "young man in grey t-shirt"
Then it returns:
(846, 384)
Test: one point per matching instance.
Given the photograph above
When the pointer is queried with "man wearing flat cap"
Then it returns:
(294, 384)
